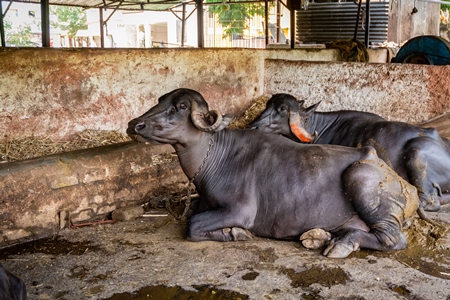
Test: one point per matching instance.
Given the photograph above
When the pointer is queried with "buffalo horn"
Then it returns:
(205, 120)
(298, 130)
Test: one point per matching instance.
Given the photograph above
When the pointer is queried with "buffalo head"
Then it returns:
(286, 115)
(176, 115)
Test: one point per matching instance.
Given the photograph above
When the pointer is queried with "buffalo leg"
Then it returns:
(218, 225)
(354, 239)
(427, 162)
(382, 200)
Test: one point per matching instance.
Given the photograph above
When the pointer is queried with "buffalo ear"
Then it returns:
(311, 109)
(300, 104)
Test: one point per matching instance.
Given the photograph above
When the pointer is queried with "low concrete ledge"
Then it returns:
(377, 55)
(82, 184)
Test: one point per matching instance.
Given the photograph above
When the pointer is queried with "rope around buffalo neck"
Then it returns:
(200, 168)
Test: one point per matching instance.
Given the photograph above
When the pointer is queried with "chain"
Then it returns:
(188, 200)
(211, 144)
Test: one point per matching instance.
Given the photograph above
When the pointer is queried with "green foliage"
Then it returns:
(445, 6)
(70, 19)
(20, 37)
(233, 17)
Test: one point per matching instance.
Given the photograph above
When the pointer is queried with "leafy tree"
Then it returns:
(21, 36)
(445, 6)
(233, 17)
(70, 19)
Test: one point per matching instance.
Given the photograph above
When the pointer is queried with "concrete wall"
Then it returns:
(81, 185)
(398, 92)
(58, 93)
(55, 93)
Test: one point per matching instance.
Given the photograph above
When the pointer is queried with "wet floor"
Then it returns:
(148, 258)
(178, 293)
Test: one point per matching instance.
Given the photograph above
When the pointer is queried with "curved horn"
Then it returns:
(298, 130)
(207, 120)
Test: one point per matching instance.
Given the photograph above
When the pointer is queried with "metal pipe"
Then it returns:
(102, 32)
(266, 21)
(183, 24)
(292, 25)
(7, 8)
(45, 22)
(2, 26)
(233, 2)
(366, 33)
(357, 20)
(278, 21)
(114, 11)
(199, 4)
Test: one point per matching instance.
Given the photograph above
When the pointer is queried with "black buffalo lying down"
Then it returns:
(253, 182)
(417, 154)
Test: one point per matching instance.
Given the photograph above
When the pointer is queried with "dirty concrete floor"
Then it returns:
(148, 258)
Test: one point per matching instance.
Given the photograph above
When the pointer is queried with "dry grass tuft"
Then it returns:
(13, 150)
(250, 114)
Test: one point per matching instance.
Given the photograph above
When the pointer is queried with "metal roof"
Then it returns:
(153, 5)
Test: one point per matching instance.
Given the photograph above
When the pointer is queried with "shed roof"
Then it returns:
(153, 5)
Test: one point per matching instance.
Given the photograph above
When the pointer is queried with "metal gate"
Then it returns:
(331, 21)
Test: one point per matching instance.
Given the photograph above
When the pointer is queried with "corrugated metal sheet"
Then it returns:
(326, 22)
(154, 5)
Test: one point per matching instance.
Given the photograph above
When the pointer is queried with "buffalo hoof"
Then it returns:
(315, 238)
(240, 234)
(340, 250)
(407, 223)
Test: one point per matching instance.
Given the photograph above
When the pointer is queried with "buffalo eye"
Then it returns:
(282, 109)
(183, 106)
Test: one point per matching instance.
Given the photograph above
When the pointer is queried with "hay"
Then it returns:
(351, 50)
(250, 114)
(21, 149)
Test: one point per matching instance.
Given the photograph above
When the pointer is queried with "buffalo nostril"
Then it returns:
(139, 126)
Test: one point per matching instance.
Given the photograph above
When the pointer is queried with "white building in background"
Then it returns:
(128, 29)
(141, 29)
(136, 29)
(20, 16)
(147, 29)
